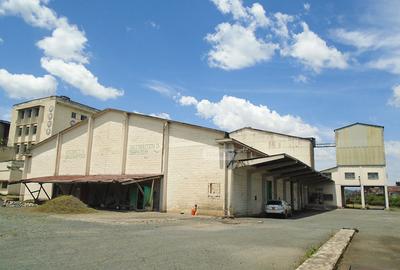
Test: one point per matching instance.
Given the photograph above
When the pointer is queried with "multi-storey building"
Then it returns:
(360, 158)
(32, 122)
(35, 120)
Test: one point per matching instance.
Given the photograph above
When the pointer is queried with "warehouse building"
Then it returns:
(122, 160)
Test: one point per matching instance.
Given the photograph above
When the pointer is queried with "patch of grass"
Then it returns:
(64, 205)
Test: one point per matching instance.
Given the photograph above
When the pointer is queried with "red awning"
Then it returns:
(121, 178)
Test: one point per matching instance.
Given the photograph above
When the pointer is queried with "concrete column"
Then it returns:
(362, 197)
(386, 198)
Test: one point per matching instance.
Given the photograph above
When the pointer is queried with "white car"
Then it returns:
(279, 207)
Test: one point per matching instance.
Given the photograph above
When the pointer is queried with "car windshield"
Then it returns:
(274, 203)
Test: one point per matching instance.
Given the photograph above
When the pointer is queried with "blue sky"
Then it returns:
(298, 67)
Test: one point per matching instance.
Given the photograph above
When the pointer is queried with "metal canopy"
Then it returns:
(284, 166)
(66, 179)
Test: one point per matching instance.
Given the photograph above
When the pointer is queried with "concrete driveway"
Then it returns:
(110, 240)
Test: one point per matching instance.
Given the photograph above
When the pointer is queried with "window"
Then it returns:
(373, 176)
(22, 114)
(34, 130)
(36, 112)
(83, 117)
(349, 176)
(17, 148)
(214, 189)
(20, 131)
(29, 113)
(23, 148)
(73, 115)
(4, 185)
(26, 130)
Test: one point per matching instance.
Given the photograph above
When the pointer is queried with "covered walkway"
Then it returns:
(276, 177)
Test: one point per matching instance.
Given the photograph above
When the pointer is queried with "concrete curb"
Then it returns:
(328, 255)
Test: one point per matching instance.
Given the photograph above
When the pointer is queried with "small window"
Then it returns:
(34, 130)
(4, 185)
(20, 131)
(26, 130)
(373, 176)
(22, 114)
(29, 113)
(37, 112)
(23, 148)
(73, 115)
(214, 189)
(17, 148)
(83, 117)
(349, 176)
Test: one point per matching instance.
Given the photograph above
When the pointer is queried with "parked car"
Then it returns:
(278, 207)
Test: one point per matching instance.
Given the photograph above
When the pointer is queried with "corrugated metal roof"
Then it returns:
(122, 178)
(285, 166)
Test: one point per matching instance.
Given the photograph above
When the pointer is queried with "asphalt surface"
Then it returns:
(110, 240)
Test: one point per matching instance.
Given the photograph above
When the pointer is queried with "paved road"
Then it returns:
(112, 240)
(376, 246)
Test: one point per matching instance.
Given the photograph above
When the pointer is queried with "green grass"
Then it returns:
(64, 205)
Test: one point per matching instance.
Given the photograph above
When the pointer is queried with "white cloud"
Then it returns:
(281, 24)
(307, 6)
(395, 99)
(235, 7)
(236, 47)
(300, 79)
(325, 158)
(187, 101)
(390, 63)
(313, 51)
(32, 11)
(1, 41)
(161, 115)
(64, 50)
(240, 44)
(67, 43)
(26, 85)
(232, 113)
(78, 76)
(163, 88)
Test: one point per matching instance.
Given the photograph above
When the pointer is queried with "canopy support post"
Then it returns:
(47, 195)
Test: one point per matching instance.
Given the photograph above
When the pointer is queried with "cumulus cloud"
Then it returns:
(78, 76)
(232, 113)
(26, 85)
(236, 47)
(67, 43)
(187, 101)
(307, 6)
(32, 11)
(281, 24)
(313, 51)
(64, 50)
(240, 44)
(395, 99)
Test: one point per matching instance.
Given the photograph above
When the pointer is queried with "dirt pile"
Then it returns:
(64, 205)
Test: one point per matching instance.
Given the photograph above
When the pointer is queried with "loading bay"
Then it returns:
(131, 240)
